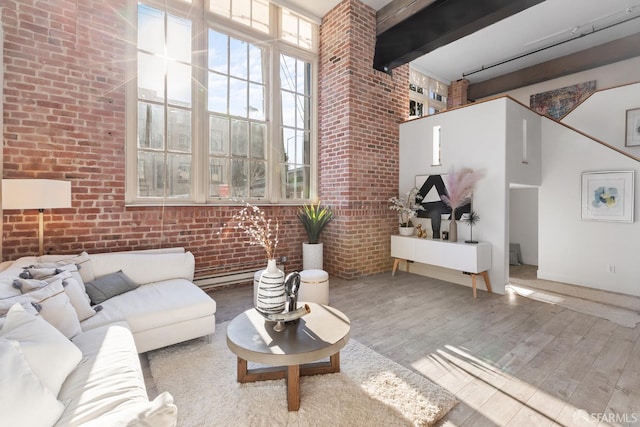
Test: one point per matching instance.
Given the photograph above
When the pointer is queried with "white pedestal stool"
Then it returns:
(314, 286)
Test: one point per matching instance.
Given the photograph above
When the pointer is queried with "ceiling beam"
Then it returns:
(397, 11)
(439, 24)
(607, 53)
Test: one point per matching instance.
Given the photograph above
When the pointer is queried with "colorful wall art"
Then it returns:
(559, 102)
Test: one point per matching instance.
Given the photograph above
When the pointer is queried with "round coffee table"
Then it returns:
(320, 334)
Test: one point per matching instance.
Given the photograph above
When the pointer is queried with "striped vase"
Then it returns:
(271, 297)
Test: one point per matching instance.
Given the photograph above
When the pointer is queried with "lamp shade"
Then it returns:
(35, 194)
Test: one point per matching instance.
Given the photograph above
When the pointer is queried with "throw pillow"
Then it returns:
(28, 307)
(50, 355)
(52, 304)
(21, 392)
(73, 286)
(82, 261)
(104, 287)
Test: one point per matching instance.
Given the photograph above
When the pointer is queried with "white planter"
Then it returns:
(406, 231)
(312, 254)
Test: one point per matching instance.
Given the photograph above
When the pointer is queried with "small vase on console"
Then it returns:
(271, 296)
(453, 227)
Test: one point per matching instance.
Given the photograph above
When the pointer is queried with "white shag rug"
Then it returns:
(370, 390)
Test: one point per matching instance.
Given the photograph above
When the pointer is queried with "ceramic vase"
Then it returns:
(406, 231)
(453, 228)
(271, 298)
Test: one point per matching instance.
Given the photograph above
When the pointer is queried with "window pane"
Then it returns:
(217, 93)
(289, 27)
(178, 39)
(238, 58)
(221, 7)
(180, 172)
(258, 179)
(150, 174)
(150, 126)
(258, 140)
(239, 138)
(218, 178)
(150, 29)
(256, 102)
(305, 34)
(260, 15)
(289, 144)
(301, 110)
(219, 139)
(238, 97)
(179, 131)
(179, 84)
(218, 52)
(288, 109)
(301, 81)
(239, 178)
(287, 73)
(295, 182)
(255, 64)
(150, 77)
(241, 11)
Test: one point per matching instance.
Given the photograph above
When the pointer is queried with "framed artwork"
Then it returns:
(431, 188)
(633, 128)
(608, 196)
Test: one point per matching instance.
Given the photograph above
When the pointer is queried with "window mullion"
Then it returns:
(199, 116)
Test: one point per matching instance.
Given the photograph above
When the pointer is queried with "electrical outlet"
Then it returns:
(283, 259)
(611, 268)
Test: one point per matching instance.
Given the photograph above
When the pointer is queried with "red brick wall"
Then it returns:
(457, 95)
(64, 117)
(360, 110)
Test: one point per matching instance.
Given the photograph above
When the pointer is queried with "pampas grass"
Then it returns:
(460, 186)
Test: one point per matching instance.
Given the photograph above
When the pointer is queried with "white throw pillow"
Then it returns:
(82, 261)
(51, 356)
(53, 305)
(24, 401)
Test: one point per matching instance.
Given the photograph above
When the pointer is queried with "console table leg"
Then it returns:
(395, 266)
(293, 387)
(473, 285)
(487, 281)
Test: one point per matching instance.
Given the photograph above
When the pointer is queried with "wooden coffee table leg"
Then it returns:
(293, 387)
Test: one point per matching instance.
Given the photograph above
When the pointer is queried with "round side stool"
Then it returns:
(314, 286)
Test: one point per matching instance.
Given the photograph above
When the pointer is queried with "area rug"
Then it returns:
(370, 390)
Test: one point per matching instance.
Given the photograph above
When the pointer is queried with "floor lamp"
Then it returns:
(38, 194)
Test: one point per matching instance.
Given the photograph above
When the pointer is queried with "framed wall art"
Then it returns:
(632, 138)
(608, 196)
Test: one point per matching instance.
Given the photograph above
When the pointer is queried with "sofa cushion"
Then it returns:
(108, 286)
(145, 268)
(50, 355)
(21, 391)
(155, 305)
(81, 261)
(109, 379)
(161, 412)
(52, 303)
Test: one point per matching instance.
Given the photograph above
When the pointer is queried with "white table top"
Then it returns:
(319, 334)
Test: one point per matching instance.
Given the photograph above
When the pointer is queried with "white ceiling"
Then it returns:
(542, 25)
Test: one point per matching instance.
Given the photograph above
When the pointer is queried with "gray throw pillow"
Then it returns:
(104, 287)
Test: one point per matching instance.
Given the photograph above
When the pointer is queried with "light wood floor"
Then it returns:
(509, 360)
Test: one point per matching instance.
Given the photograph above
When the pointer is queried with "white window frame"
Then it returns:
(201, 21)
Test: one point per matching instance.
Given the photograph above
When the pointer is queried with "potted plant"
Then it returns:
(406, 207)
(314, 219)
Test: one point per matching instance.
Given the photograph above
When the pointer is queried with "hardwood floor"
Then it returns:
(510, 361)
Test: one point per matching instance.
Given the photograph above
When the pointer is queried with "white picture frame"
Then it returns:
(608, 196)
(632, 130)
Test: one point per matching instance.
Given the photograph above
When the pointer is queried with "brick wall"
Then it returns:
(64, 116)
(360, 110)
(457, 95)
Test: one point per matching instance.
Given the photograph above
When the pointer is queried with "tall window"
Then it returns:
(426, 95)
(214, 121)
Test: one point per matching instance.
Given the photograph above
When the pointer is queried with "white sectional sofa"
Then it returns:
(93, 348)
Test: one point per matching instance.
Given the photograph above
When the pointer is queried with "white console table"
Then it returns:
(472, 258)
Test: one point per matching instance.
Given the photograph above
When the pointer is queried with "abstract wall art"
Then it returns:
(559, 102)
(608, 196)
(432, 188)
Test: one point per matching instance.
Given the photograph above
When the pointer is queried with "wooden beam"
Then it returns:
(439, 24)
(397, 11)
(614, 51)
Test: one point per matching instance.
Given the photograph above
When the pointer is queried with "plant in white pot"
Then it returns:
(314, 219)
(406, 207)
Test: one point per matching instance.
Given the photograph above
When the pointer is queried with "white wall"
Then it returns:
(603, 115)
(523, 222)
(474, 137)
(575, 251)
